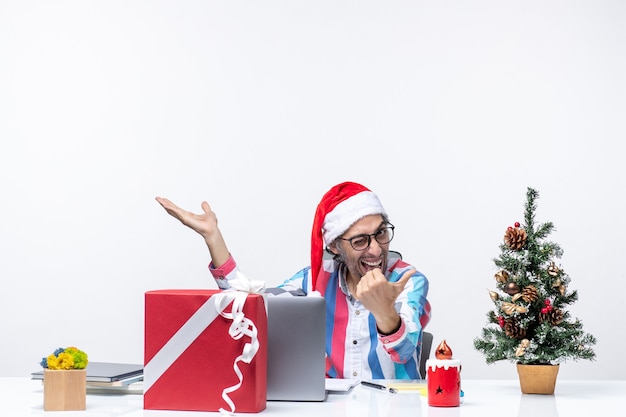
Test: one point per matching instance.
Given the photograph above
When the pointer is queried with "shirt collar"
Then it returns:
(343, 284)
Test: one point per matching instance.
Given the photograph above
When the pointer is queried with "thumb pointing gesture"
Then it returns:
(401, 283)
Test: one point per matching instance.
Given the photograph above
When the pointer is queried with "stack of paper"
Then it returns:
(109, 375)
(340, 385)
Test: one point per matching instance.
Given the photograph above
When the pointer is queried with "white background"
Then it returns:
(447, 110)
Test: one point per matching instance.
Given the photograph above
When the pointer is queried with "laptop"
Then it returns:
(296, 361)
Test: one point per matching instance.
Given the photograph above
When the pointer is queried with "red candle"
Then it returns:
(444, 382)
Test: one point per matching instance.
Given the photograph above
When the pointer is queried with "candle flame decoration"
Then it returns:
(444, 378)
(443, 351)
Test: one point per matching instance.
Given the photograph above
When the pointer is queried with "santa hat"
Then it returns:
(341, 207)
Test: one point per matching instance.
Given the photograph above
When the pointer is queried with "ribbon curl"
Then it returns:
(241, 326)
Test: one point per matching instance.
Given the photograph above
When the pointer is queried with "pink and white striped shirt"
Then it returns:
(354, 348)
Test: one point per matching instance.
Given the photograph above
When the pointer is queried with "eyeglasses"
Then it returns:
(362, 242)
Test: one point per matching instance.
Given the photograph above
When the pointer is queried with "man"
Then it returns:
(376, 303)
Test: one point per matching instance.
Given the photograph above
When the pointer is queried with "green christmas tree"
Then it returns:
(530, 323)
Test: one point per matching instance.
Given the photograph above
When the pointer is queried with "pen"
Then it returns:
(378, 386)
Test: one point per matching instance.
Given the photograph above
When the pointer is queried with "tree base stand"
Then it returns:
(537, 379)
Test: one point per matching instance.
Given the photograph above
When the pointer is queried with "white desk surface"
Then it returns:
(483, 398)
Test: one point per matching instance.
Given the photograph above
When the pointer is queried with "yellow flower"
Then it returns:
(52, 361)
(63, 361)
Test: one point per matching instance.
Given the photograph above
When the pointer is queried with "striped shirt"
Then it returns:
(354, 348)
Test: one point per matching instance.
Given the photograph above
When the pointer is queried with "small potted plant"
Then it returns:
(65, 380)
(530, 324)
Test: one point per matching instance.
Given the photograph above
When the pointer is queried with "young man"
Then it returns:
(376, 303)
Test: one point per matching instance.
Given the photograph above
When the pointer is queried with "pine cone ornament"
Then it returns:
(512, 329)
(552, 316)
(529, 293)
(515, 238)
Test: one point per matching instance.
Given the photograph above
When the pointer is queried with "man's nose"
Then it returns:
(374, 247)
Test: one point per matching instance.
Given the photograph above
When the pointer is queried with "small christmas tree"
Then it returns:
(530, 323)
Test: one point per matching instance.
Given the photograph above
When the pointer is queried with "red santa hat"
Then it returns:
(341, 207)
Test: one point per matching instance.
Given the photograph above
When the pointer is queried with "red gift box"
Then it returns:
(190, 357)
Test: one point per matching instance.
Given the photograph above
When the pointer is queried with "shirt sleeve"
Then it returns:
(224, 273)
(300, 282)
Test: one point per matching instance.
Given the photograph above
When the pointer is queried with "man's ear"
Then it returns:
(332, 248)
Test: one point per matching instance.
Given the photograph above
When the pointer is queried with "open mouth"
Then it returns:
(370, 265)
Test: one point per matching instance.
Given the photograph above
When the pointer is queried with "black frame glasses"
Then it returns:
(383, 236)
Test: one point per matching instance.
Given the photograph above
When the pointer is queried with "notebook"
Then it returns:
(108, 372)
(296, 363)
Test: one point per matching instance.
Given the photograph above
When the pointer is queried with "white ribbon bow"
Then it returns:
(243, 283)
(241, 326)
